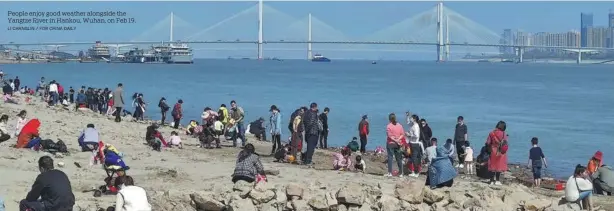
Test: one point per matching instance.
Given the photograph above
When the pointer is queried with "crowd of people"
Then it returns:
(411, 149)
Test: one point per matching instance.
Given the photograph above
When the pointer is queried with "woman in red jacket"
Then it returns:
(497, 144)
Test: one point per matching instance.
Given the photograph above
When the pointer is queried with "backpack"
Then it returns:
(354, 146)
(503, 145)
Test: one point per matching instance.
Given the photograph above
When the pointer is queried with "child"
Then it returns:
(536, 159)
(468, 159)
(175, 140)
(360, 164)
(281, 153)
(415, 156)
(342, 161)
(353, 145)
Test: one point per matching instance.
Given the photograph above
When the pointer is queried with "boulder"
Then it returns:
(537, 205)
(294, 190)
(319, 203)
(432, 196)
(351, 194)
(410, 191)
(262, 196)
(300, 205)
(242, 205)
(243, 188)
(206, 203)
(388, 203)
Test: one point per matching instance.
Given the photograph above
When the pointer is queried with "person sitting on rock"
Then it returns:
(282, 153)
(603, 180)
(248, 165)
(4, 134)
(175, 140)
(130, 197)
(190, 129)
(360, 164)
(29, 135)
(53, 188)
(595, 162)
(88, 140)
(154, 137)
(578, 188)
(342, 160)
(441, 172)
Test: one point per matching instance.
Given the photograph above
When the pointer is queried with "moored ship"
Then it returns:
(172, 53)
(99, 51)
(319, 58)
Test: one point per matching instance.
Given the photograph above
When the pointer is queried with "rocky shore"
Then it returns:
(196, 179)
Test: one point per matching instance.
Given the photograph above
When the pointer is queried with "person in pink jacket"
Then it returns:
(342, 161)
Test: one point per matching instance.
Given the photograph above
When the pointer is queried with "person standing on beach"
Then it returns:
(17, 83)
(363, 132)
(177, 113)
(310, 122)
(497, 142)
(163, 109)
(238, 115)
(324, 132)
(41, 87)
(460, 137)
(53, 92)
(71, 95)
(118, 101)
(275, 127)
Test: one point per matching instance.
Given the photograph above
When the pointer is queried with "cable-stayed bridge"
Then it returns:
(437, 29)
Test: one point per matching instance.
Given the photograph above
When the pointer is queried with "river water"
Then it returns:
(569, 107)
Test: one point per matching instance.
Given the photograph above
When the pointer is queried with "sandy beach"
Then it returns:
(193, 178)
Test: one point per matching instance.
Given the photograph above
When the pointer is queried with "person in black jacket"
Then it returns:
(324, 132)
(53, 188)
(310, 123)
(427, 133)
(163, 109)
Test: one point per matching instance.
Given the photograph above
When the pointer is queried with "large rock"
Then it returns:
(319, 203)
(243, 188)
(388, 203)
(432, 196)
(537, 205)
(294, 190)
(206, 203)
(262, 196)
(300, 205)
(351, 194)
(242, 205)
(410, 191)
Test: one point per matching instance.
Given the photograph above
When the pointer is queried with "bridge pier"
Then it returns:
(520, 54)
(260, 35)
(579, 60)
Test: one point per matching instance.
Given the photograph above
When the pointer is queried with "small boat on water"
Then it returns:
(319, 58)
(373, 62)
(56, 61)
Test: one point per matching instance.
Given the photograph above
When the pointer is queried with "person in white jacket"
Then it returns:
(53, 92)
(129, 196)
(578, 189)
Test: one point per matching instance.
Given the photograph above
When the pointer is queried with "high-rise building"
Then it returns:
(507, 38)
(598, 37)
(586, 21)
(611, 19)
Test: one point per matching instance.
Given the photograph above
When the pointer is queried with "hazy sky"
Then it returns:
(354, 19)
(332, 21)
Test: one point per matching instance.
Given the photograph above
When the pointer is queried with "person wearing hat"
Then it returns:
(275, 128)
(88, 140)
(363, 132)
(595, 162)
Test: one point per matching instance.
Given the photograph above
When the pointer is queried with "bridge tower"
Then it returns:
(171, 32)
(440, 45)
(309, 51)
(260, 36)
(447, 38)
